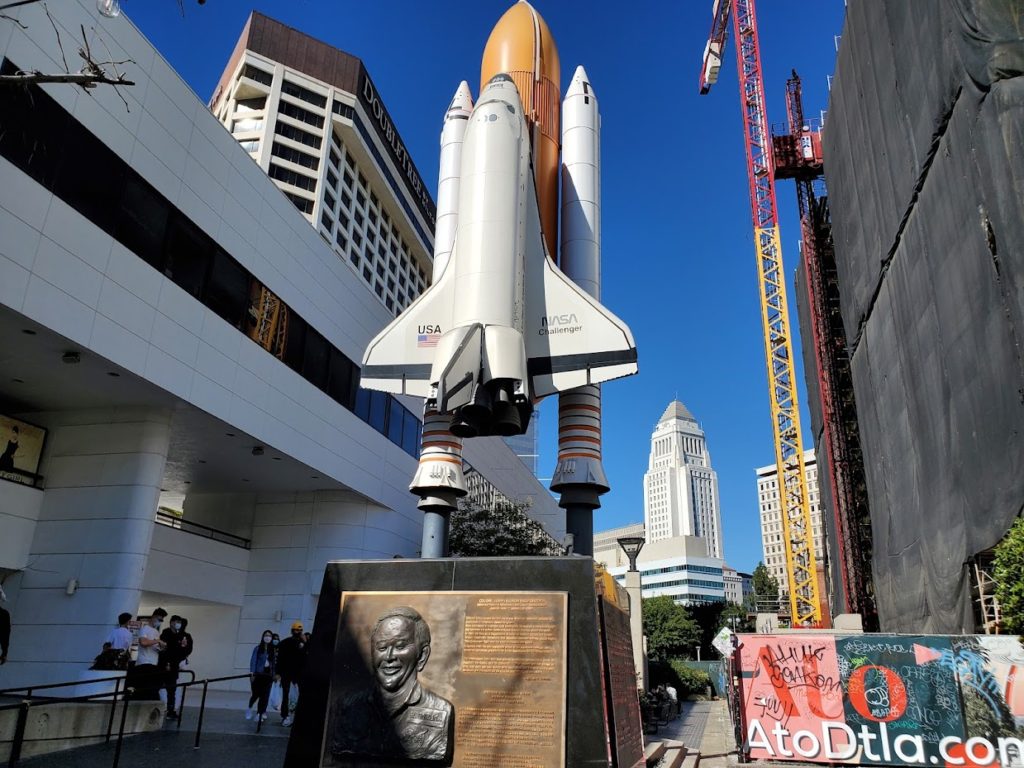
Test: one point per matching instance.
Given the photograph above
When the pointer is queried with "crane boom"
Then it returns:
(797, 534)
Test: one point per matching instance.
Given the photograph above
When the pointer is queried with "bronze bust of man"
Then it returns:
(397, 717)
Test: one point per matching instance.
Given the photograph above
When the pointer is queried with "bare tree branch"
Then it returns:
(60, 44)
(84, 79)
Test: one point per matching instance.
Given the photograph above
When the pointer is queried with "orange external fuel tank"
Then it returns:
(521, 46)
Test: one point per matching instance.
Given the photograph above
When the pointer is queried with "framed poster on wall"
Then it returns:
(21, 447)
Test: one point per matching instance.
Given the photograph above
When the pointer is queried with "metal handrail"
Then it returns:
(198, 529)
(27, 703)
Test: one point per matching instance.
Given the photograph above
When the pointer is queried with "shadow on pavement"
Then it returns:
(228, 740)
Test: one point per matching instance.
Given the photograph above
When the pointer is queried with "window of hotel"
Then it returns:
(303, 93)
(250, 105)
(332, 180)
(329, 201)
(250, 145)
(325, 219)
(348, 179)
(294, 156)
(300, 180)
(343, 109)
(298, 113)
(297, 134)
(346, 200)
(257, 74)
(247, 124)
(303, 204)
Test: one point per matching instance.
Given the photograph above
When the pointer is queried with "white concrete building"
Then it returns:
(680, 487)
(679, 567)
(737, 585)
(770, 509)
(606, 544)
(170, 325)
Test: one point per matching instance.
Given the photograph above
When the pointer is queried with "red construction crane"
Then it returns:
(801, 562)
(798, 156)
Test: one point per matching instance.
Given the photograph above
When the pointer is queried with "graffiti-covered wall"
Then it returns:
(931, 700)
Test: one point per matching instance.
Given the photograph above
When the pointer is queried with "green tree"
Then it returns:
(737, 618)
(670, 631)
(506, 530)
(766, 586)
(1009, 578)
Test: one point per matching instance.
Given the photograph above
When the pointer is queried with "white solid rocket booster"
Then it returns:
(439, 480)
(579, 474)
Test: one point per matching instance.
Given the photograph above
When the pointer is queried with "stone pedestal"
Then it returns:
(525, 653)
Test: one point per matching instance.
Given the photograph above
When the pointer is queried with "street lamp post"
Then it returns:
(632, 545)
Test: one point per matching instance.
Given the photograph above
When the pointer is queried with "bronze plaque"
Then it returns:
(464, 679)
(621, 687)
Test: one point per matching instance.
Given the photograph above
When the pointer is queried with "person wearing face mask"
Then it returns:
(178, 647)
(146, 674)
(291, 661)
(262, 668)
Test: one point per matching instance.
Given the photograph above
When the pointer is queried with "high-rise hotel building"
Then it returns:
(680, 487)
(312, 119)
(769, 506)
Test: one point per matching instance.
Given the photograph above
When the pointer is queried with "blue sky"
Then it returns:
(678, 259)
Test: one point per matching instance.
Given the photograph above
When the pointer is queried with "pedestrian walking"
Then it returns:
(291, 660)
(262, 668)
(177, 649)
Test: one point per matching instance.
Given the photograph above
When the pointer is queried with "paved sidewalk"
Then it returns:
(688, 727)
(718, 745)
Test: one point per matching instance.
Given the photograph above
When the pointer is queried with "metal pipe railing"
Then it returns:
(125, 694)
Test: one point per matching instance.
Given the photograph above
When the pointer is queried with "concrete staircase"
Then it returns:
(670, 754)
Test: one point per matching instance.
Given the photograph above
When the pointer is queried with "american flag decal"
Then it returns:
(424, 340)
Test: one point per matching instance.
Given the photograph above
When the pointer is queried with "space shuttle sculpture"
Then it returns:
(502, 326)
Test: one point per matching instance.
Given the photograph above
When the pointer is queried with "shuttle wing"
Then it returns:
(400, 357)
(571, 339)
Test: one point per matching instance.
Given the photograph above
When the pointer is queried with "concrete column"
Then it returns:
(636, 627)
(102, 473)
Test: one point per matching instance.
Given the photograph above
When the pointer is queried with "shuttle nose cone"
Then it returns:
(462, 102)
(580, 84)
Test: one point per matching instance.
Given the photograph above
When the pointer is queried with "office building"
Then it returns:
(738, 585)
(173, 327)
(606, 544)
(679, 567)
(770, 510)
(680, 486)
